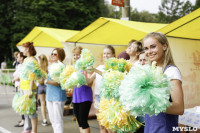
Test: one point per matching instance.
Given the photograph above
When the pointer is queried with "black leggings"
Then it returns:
(23, 118)
(81, 111)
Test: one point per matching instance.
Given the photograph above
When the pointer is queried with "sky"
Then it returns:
(148, 5)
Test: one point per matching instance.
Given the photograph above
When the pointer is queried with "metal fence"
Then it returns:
(6, 85)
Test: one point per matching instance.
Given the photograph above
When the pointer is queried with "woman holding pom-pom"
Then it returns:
(28, 86)
(82, 98)
(108, 52)
(55, 96)
(157, 49)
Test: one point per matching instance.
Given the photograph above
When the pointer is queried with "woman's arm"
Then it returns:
(97, 71)
(15, 79)
(50, 82)
(89, 77)
(177, 105)
(30, 92)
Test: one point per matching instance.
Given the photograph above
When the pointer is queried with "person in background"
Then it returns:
(41, 89)
(3, 65)
(143, 58)
(108, 52)
(29, 87)
(16, 81)
(133, 50)
(15, 62)
(82, 98)
(55, 96)
(157, 49)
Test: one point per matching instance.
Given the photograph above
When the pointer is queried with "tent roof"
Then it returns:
(185, 27)
(114, 31)
(48, 37)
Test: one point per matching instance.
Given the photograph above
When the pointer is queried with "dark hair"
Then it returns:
(21, 55)
(123, 55)
(111, 48)
(61, 53)
(31, 48)
(142, 52)
(138, 43)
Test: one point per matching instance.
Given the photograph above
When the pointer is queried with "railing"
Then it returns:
(6, 85)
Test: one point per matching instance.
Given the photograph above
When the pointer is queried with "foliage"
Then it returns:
(109, 11)
(197, 5)
(18, 17)
(143, 16)
(171, 10)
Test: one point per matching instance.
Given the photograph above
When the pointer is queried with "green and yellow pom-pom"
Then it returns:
(118, 64)
(65, 75)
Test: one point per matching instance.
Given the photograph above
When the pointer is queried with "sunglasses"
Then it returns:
(53, 54)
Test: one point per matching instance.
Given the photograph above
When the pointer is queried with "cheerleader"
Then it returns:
(157, 49)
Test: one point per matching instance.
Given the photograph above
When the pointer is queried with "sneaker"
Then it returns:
(44, 123)
(19, 125)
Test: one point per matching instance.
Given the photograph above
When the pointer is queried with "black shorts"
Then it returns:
(41, 89)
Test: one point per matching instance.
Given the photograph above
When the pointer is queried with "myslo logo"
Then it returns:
(184, 128)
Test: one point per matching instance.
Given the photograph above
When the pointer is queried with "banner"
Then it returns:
(118, 3)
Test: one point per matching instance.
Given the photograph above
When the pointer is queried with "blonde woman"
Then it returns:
(82, 98)
(108, 52)
(42, 88)
(157, 49)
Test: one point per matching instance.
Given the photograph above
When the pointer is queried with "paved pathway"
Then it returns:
(8, 117)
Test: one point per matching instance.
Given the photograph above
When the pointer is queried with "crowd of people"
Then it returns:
(154, 47)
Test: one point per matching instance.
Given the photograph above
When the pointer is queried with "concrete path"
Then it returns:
(8, 117)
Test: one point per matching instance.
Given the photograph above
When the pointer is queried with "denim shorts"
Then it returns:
(96, 101)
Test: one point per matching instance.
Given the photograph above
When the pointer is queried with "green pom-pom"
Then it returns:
(145, 90)
(86, 60)
(77, 79)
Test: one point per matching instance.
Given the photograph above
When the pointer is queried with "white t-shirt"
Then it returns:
(172, 72)
(137, 63)
(98, 80)
(16, 74)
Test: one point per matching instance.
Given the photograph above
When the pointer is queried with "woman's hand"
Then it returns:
(41, 81)
(30, 93)
(90, 69)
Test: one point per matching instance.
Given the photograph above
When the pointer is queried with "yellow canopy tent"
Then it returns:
(48, 37)
(107, 31)
(187, 27)
(114, 31)
(184, 39)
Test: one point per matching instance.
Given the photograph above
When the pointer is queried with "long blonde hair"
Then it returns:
(161, 38)
(43, 62)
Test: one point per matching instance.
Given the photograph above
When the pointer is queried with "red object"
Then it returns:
(118, 3)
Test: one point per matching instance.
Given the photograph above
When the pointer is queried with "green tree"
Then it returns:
(197, 5)
(7, 14)
(18, 17)
(143, 16)
(171, 10)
